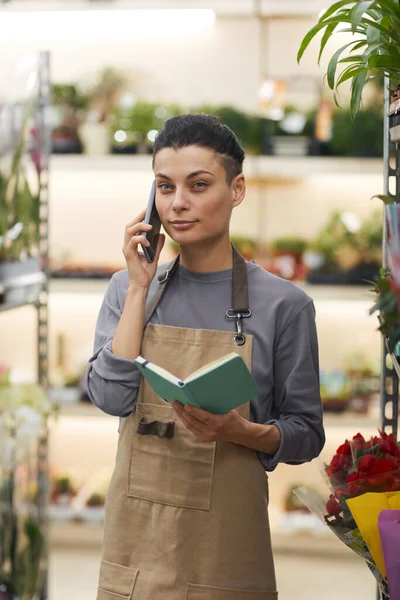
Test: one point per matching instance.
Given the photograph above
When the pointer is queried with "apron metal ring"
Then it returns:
(239, 339)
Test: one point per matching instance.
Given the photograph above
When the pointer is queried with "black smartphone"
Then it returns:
(151, 218)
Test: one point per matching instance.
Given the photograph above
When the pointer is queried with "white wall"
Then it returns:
(222, 65)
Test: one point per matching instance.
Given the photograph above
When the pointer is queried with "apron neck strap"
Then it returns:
(240, 292)
(240, 286)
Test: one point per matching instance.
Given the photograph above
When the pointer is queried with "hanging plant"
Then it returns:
(373, 51)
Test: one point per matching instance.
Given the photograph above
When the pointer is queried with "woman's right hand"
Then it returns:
(141, 273)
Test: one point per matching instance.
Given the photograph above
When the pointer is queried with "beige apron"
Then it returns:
(186, 520)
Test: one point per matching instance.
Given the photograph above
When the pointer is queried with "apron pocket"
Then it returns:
(205, 592)
(176, 472)
(116, 582)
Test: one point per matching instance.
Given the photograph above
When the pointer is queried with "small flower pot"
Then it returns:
(334, 406)
(21, 280)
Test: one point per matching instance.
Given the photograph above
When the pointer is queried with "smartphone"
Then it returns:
(151, 218)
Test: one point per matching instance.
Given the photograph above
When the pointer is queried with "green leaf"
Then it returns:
(359, 45)
(373, 36)
(335, 98)
(356, 93)
(331, 72)
(315, 30)
(391, 6)
(384, 30)
(386, 199)
(357, 13)
(357, 58)
(372, 49)
(384, 61)
(325, 38)
(351, 72)
(332, 9)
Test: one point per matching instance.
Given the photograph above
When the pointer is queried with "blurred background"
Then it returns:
(112, 73)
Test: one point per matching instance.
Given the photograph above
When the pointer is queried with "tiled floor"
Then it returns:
(73, 576)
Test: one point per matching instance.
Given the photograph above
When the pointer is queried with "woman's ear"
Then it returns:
(238, 187)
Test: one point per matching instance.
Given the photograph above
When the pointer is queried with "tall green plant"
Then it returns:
(18, 205)
(374, 51)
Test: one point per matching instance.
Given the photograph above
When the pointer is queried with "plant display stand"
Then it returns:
(24, 281)
(390, 368)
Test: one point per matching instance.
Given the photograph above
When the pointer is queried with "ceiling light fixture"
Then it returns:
(102, 25)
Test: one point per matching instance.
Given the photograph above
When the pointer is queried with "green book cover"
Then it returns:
(219, 387)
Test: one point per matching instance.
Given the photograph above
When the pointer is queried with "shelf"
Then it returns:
(345, 420)
(78, 286)
(22, 291)
(317, 292)
(255, 167)
(72, 535)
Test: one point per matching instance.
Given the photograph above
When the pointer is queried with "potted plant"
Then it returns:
(373, 51)
(255, 132)
(369, 240)
(333, 251)
(68, 106)
(364, 391)
(63, 490)
(93, 510)
(364, 376)
(19, 217)
(137, 126)
(287, 257)
(289, 245)
(102, 97)
(360, 138)
(335, 391)
(95, 500)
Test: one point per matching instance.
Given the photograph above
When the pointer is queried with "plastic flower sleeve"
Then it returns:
(350, 536)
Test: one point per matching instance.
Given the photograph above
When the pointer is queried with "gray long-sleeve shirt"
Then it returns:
(285, 352)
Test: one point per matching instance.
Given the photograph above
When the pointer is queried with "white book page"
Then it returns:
(158, 370)
(211, 366)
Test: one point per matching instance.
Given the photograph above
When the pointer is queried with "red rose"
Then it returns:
(385, 482)
(384, 465)
(339, 492)
(359, 442)
(389, 446)
(341, 461)
(338, 464)
(344, 449)
(354, 484)
(333, 508)
(366, 464)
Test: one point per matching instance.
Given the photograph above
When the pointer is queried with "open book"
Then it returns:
(219, 387)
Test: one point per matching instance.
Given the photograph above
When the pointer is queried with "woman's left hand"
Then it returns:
(208, 427)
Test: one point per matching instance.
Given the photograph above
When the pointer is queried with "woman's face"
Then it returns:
(194, 199)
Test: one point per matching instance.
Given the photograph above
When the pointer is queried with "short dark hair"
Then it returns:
(205, 131)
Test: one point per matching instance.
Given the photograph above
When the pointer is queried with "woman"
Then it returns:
(187, 517)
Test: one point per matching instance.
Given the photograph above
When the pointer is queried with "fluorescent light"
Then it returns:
(120, 136)
(151, 136)
(102, 25)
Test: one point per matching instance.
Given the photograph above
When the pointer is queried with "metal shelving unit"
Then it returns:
(33, 290)
(390, 363)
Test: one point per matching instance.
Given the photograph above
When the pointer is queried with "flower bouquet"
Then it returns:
(364, 480)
